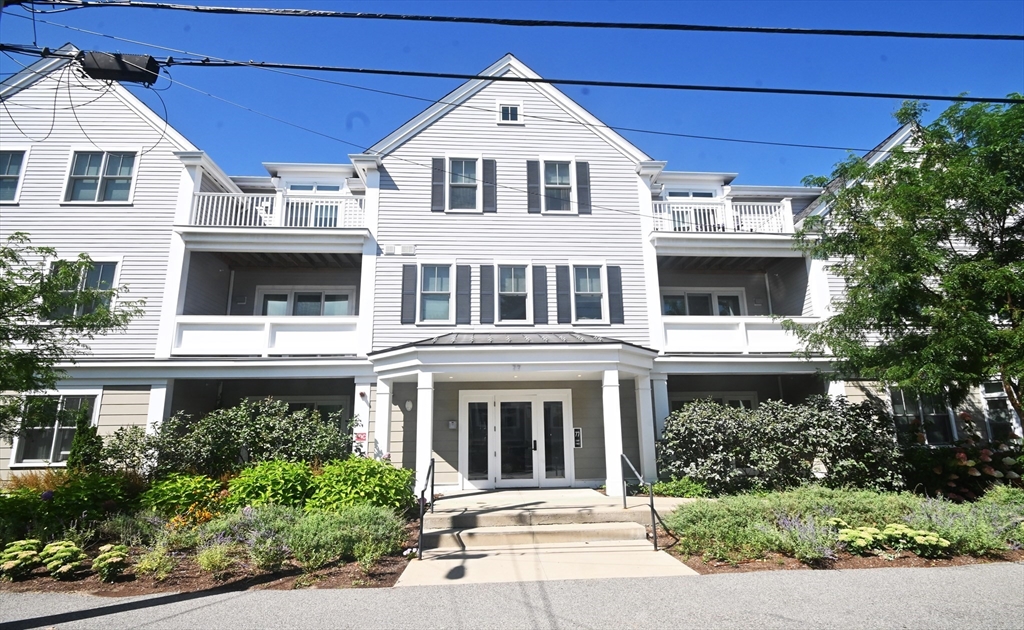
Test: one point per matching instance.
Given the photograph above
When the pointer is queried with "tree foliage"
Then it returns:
(930, 243)
(47, 317)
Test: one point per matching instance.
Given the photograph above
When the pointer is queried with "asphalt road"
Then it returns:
(979, 596)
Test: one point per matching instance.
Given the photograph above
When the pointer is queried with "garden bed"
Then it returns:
(845, 561)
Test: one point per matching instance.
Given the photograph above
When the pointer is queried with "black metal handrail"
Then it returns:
(423, 503)
(655, 517)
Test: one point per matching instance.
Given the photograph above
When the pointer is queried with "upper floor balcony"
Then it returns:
(246, 210)
(691, 227)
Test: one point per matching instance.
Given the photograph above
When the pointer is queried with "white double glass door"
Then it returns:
(515, 439)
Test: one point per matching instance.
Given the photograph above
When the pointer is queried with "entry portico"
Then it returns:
(519, 409)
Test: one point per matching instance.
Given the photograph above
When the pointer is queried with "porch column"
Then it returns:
(382, 419)
(645, 418)
(661, 408)
(361, 412)
(612, 433)
(159, 401)
(424, 427)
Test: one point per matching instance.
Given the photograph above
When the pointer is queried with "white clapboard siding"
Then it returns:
(511, 234)
(139, 234)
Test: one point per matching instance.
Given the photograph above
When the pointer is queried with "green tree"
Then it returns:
(47, 317)
(930, 243)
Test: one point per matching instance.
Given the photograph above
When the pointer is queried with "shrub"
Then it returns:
(86, 446)
(775, 446)
(176, 493)
(361, 480)
(238, 526)
(964, 471)
(19, 558)
(127, 450)
(178, 537)
(807, 539)
(39, 480)
(19, 512)
(267, 550)
(896, 536)
(684, 487)
(215, 559)
(62, 559)
(156, 563)
(111, 562)
(273, 482)
(319, 539)
(973, 529)
(133, 530)
(1001, 494)
(225, 440)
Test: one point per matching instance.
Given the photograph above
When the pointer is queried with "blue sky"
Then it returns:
(239, 141)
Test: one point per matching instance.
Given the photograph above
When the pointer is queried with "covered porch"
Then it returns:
(517, 410)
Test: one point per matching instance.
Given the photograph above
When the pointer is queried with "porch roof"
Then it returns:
(512, 339)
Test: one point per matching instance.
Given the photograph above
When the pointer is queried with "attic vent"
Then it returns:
(117, 67)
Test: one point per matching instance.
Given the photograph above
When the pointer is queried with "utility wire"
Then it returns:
(643, 26)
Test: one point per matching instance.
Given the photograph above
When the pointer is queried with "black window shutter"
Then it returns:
(490, 186)
(533, 186)
(486, 294)
(409, 294)
(437, 185)
(562, 294)
(462, 294)
(615, 309)
(583, 187)
(540, 294)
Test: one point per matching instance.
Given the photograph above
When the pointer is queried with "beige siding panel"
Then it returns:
(611, 233)
(123, 406)
(5, 461)
(630, 426)
(139, 234)
(860, 391)
(403, 425)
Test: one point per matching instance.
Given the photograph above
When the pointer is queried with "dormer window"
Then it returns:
(510, 114)
(698, 194)
(314, 188)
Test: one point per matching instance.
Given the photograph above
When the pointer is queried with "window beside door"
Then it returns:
(922, 413)
(1000, 414)
(703, 302)
(737, 400)
(305, 301)
(48, 427)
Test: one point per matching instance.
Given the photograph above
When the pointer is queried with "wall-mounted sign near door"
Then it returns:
(577, 437)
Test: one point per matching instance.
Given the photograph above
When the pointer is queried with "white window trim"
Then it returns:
(452, 270)
(292, 289)
(14, 148)
(345, 401)
(498, 264)
(137, 150)
(714, 291)
(573, 188)
(951, 415)
(465, 155)
(716, 194)
(1015, 420)
(17, 444)
(498, 104)
(605, 299)
(118, 262)
(287, 188)
(725, 396)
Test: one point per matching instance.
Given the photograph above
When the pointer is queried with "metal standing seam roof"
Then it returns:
(512, 339)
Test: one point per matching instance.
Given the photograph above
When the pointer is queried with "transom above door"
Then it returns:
(515, 438)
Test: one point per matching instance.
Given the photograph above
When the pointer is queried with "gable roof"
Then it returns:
(39, 70)
(506, 65)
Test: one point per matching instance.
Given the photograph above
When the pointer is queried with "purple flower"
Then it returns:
(47, 496)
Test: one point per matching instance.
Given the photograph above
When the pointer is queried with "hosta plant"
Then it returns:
(62, 559)
(19, 558)
(111, 562)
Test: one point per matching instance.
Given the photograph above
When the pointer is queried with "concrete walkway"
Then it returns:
(977, 596)
(534, 563)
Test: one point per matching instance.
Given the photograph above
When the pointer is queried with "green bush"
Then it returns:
(226, 440)
(362, 532)
(111, 562)
(19, 512)
(134, 530)
(774, 447)
(62, 559)
(962, 472)
(974, 529)
(1001, 494)
(274, 483)
(127, 450)
(268, 551)
(239, 526)
(216, 559)
(176, 493)
(361, 480)
(683, 487)
(19, 558)
(157, 563)
(895, 536)
(86, 452)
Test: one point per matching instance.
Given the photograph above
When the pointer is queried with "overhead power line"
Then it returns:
(643, 26)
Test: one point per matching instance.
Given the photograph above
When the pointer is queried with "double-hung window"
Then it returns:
(513, 293)
(557, 186)
(1000, 414)
(48, 426)
(723, 303)
(99, 277)
(97, 176)
(10, 174)
(462, 184)
(305, 301)
(588, 293)
(435, 294)
(921, 414)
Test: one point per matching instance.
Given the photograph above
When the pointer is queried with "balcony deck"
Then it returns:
(202, 335)
(276, 211)
(731, 335)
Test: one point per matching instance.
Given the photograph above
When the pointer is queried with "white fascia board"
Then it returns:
(740, 365)
(35, 72)
(154, 370)
(283, 240)
(202, 160)
(508, 63)
(695, 177)
(725, 244)
(775, 191)
(298, 169)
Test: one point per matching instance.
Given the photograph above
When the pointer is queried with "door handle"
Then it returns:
(535, 445)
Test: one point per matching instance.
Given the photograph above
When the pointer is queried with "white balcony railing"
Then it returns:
(732, 335)
(279, 210)
(200, 335)
(690, 216)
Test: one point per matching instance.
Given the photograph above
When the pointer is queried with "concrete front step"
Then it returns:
(531, 535)
(556, 516)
